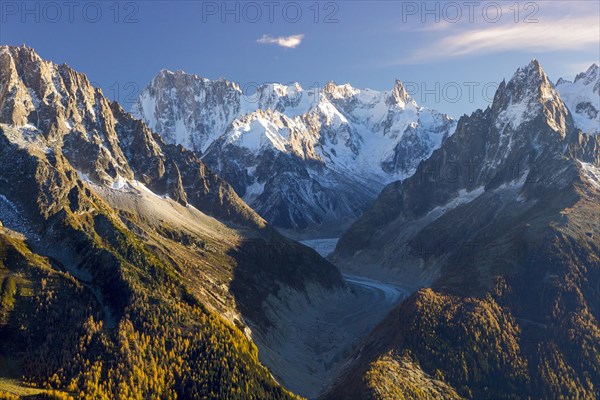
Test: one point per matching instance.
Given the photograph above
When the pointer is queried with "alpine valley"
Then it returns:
(148, 255)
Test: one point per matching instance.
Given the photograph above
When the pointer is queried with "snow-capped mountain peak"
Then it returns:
(589, 76)
(340, 144)
(261, 128)
(193, 110)
(333, 91)
(582, 96)
(528, 92)
(399, 95)
(529, 84)
(291, 99)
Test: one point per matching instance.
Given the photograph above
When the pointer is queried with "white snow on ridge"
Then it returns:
(582, 97)
(26, 137)
(592, 172)
(12, 219)
(463, 197)
(322, 246)
(514, 115)
(253, 191)
(121, 184)
(516, 183)
(147, 104)
(259, 132)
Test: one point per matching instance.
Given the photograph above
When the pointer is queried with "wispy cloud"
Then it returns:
(561, 34)
(289, 42)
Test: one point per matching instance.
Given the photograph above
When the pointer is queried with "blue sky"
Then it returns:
(445, 51)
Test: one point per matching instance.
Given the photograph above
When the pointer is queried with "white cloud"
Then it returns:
(560, 34)
(289, 42)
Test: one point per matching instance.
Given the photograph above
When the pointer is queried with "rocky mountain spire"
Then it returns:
(62, 107)
(530, 94)
(398, 95)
